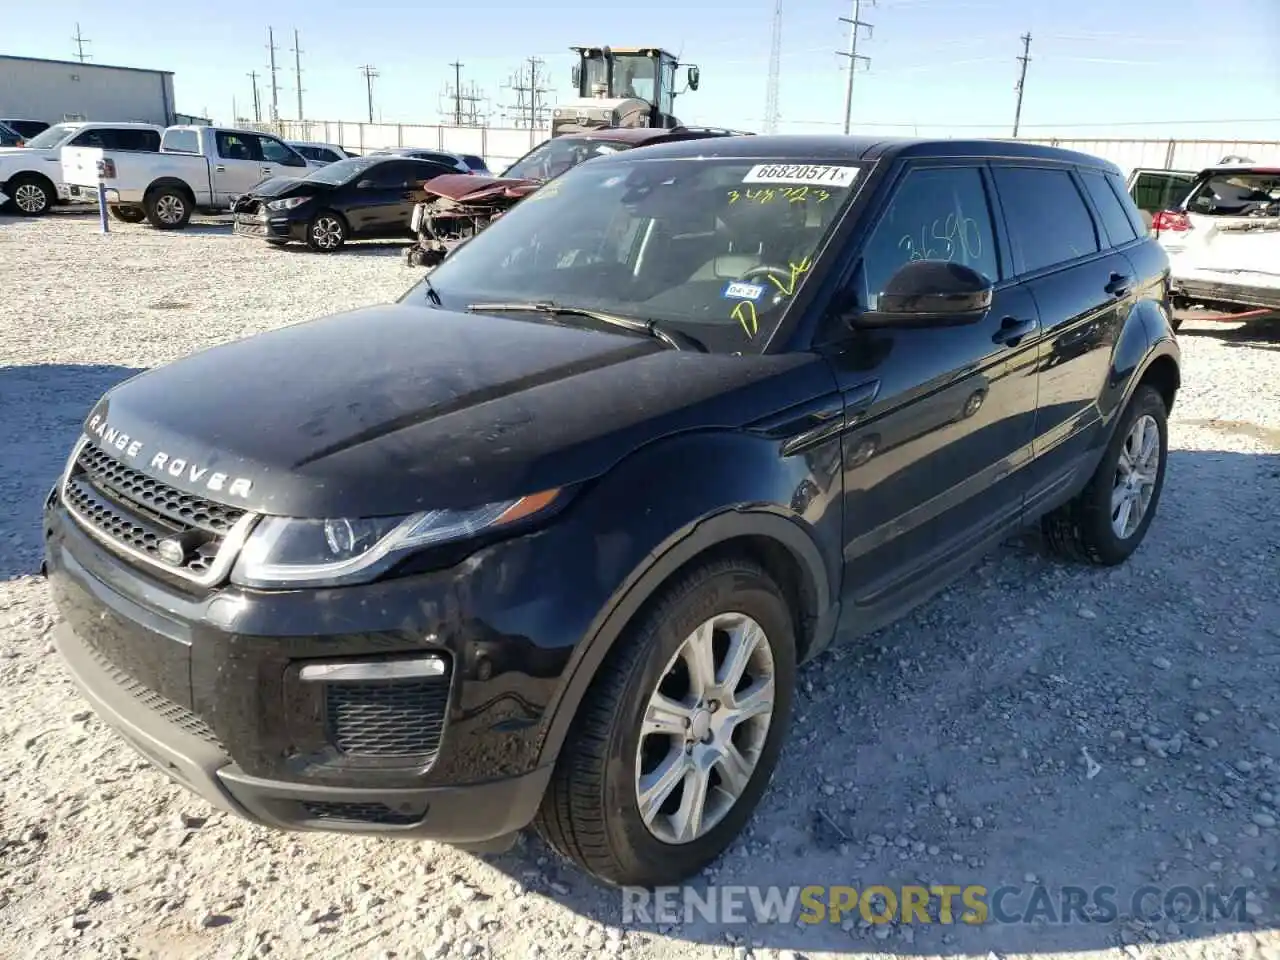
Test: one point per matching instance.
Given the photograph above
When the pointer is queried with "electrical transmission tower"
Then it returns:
(80, 41)
(370, 72)
(297, 70)
(1022, 81)
(465, 110)
(854, 23)
(530, 108)
(775, 72)
(257, 103)
(275, 84)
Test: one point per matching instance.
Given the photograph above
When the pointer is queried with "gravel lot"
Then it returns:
(1038, 723)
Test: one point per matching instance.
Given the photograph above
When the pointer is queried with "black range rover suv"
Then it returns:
(545, 541)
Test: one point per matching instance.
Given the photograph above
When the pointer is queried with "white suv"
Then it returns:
(1223, 237)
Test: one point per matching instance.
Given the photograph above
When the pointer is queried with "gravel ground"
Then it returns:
(1037, 724)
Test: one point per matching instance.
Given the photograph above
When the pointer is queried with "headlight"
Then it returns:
(288, 203)
(289, 552)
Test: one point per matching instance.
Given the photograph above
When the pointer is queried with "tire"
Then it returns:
(591, 813)
(128, 214)
(167, 208)
(1084, 529)
(327, 232)
(30, 195)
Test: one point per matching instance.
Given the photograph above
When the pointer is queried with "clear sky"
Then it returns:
(1145, 68)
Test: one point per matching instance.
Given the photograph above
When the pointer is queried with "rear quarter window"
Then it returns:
(1049, 223)
(1231, 193)
(1115, 220)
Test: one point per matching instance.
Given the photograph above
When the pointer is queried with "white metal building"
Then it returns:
(54, 90)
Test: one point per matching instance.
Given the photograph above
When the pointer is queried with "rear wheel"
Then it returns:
(167, 208)
(30, 195)
(128, 214)
(678, 736)
(327, 232)
(1107, 521)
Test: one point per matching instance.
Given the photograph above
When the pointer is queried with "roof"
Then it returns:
(89, 66)
(863, 148)
(642, 51)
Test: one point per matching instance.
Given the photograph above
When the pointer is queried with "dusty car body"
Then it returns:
(458, 207)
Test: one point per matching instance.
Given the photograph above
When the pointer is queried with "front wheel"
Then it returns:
(1107, 521)
(327, 232)
(679, 733)
(30, 196)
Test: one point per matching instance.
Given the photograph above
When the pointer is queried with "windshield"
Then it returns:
(52, 137)
(633, 76)
(341, 171)
(714, 246)
(1247, 193)
(550, 159)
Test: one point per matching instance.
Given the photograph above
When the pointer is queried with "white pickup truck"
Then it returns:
(31, 177)
(197, 168)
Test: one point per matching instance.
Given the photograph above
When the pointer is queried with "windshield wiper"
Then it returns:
(431, 292)
(675, 339)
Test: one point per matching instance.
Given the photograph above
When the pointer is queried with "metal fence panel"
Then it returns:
(499, 146)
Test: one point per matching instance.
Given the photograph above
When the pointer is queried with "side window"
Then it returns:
(394, 174)
(1155, 191)
(1048, 220)
(1114, 219)
(181, 141)
(273, 151)
(89, 138)
(1140, 219)
(328, 156)
(142, 141)
(237, 146)
(937, 213)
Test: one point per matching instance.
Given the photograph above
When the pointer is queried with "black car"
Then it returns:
(359, 198)
(545, 541)
(26, 128)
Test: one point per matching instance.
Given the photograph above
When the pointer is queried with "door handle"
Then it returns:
(1012, 330)
(1118, 285)
(219, 169)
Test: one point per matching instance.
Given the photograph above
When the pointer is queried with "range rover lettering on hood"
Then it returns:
(163, 462)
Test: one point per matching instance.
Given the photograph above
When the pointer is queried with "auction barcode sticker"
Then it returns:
(807, 173)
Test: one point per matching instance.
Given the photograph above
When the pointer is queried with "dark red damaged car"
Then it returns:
(460, 206)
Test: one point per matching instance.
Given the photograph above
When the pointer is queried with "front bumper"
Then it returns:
(272, 227)
(209, 686)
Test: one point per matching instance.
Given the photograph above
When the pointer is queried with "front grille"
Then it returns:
(393, 719)
(360, 813)
(162, 706)
(135, 512)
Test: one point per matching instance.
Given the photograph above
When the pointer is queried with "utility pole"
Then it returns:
(275, 85)
(535, 109)
(1022, 81)
(297, 70)
(854, 23)
(369, 72)
(457, 94)
(80, 41)
(775, 72)
(257, 104)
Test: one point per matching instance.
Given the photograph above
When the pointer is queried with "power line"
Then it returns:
(369, 71)
(457, 94)
(854, 23)
(297, 70)
(275, 84)
(257, 103)
(529, 110)
(80, 41)
(465, 110)
(775, 72)
(1022, 80)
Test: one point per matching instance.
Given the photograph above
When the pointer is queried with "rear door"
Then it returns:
(1083, 288)
(380, 203)
(1234, 231)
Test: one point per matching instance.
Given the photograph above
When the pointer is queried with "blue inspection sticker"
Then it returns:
(737, 290)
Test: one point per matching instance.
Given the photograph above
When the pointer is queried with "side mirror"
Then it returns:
(929, 293)
(577, 76)
(366, 185)
(694, 75)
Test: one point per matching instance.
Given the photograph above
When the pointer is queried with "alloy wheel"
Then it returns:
(169, 209)
(704, 728)
(327, 233)
(30, 198)
(1135, 479)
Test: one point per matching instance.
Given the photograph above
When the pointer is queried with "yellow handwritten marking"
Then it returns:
(797, 271)
(744, 311)
(790, 194)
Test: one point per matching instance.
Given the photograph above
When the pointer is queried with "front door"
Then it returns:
(939, 421)
(279, 160)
